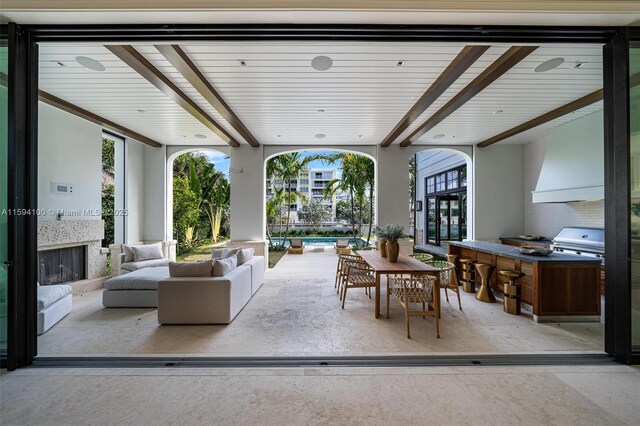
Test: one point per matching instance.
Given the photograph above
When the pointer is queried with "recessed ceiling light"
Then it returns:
(141, 110)
(400, 63)
(549, 65)
(321, 111)
(184, 136)
(243, 63)
(58, 63)
(498, 111)
(321, 136)
(92, 64)
(200, 136)
(579, 65)
(360, 136)
(321, 63)
(439, 136)
(279, 136)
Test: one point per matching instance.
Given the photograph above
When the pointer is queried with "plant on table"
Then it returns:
(392, 233)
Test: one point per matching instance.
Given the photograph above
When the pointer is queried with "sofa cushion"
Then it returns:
(147, 252)
(216, 253)
(50, 294)
(244, 255)
(143, 279)
(190, 269)
(128, 253)
(222, 267)
(134, 266)
(224, 253)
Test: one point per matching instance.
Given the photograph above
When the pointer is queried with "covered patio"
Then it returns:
(297, 312)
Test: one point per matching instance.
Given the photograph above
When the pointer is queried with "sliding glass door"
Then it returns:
(4, 137)
(634, 108)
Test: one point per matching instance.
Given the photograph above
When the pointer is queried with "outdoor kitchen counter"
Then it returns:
(513, 253)
(559, 287)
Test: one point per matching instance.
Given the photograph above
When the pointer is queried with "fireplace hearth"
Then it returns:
(63, 265)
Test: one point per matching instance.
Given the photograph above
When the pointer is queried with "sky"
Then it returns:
(222, 161)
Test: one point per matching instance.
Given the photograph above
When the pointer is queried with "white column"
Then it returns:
(393, 189)
(248, 199)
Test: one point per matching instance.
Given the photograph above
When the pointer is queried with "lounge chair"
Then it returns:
(296, 246)
(342, 246)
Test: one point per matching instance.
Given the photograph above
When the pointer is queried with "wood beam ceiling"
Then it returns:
(551, 115)
(503, 64)
(467, 57)
(54, 101)
(142, 66)
(591, 98)
(181, 61)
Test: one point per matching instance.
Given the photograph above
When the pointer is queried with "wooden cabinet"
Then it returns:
(553, 289)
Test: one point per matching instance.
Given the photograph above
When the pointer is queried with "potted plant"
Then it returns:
(393, 233)
(382, 241)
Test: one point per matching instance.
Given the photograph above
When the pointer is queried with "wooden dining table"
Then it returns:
(404, 265)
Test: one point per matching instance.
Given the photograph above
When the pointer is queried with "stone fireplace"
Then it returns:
(70, 252)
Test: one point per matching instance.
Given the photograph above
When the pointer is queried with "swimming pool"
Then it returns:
(319, 241)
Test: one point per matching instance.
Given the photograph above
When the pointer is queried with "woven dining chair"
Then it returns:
(448, 279)
(340, 269)
(422, 257)
(418, 290)
(358, 275)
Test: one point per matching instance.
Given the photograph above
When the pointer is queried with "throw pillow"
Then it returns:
(228, 252)
(128, 253)
(217, 253)
(223, 266)
(147, 252)
(193, 269)
(244, 255)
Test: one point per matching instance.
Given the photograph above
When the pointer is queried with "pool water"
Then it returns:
(317, 241)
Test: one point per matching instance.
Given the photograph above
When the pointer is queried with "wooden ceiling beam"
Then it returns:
(133, 58)
(582, 102)
(501, 66)
(591, 98)
(54, 101)
(181, 61)
(461, 63)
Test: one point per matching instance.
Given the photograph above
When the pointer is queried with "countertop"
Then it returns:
(512, 252)
(545, 242)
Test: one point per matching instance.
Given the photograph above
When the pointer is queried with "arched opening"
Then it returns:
(198, 197)
(319, 195)
(442, 197)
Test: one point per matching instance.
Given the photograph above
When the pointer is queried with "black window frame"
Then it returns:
(23, 121)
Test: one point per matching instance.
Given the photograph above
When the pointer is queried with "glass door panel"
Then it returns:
(634, 181)
(443, 218)
(454, 219)
(4, 137)
(432, 237)
(463, 216)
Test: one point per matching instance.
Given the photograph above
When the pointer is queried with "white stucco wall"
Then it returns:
(135, 193)
(498, 186)
(155, 194)
(69, 151)
(247, 194)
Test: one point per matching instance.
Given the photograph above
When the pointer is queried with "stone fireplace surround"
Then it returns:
(57, 234)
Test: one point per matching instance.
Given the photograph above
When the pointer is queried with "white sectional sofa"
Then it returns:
(187, 300)
(122, 261)
(54, 303)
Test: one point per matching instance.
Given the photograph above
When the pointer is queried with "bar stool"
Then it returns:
(453, 259)
(511, 298)
(485, 294)
(468, 275)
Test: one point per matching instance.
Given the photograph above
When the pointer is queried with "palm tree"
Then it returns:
(288, 167)
(274, 207)
(213, 191)
(358, 175)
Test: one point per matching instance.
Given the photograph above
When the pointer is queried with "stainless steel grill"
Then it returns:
(581, 241)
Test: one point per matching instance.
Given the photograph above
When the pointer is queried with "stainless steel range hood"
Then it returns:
(573, 167)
